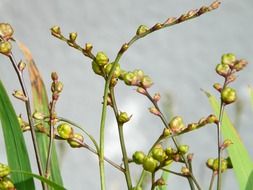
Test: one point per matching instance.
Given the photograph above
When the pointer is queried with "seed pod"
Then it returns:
(183, 149)
(19, 95)
(4, 170)
(5, 47)
(123, 117)
(96, 68)
(159, 154)
(156, 97)
(149, 164)
(185, 171)
(217, 86)
(212, 119)
(146, 82)
(138, 157)
(72, 36)
(6, 184)
(139, 74)
(142, 29)
(167, 132)
(176, 124)
(88, 47)
(65, 131)
(154, 111)
(228, 59)
(21, 66)
(101, 58)
(75, 144)
(129, 78)
(223, 69)
(56, 30)
(57, 87)
(38, 115)
(116, 72)
(6, 31)
(209, 163)
(228, 95)
(240, 65)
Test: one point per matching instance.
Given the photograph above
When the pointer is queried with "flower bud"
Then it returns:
(139, 74)
(19, 95)
(56, 30)
(160, 182)
(176, 124)
(122, 73)
(226, 143)
(141, 91)
(185, 171)
(38, 115)
(65, 131)
(217, 86)
(101, 59)
(138, 157)
(154, 111)
(21, 66)
(123, 117)
(88, 47)
(228, 95)
(183, 149)
(142, 29)
(167, 132)
(6, 184)
(57, 87)
(216, 165)
(5, 47)
(149, 164)
(240, 65)
(223, 69)
(72, 36)
(74, 143)
(96, 68)
(169, 151)
(212, 119)
(209, 163)
(6, 31)
(4, 170)
(159, 154)
(54, 76)
(228, 59)
(146, 82)
(116, 72)
(156, 97)
(129, 78)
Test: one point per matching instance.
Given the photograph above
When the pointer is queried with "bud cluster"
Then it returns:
(159, 157)
(213, 164)
(56, 86)
(6, 32)
(5, 181)
(66, 132)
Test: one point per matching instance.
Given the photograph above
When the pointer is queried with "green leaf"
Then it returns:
(242, 163)
(43, 179)
(40, 104)
(16, 151)
(251, 95)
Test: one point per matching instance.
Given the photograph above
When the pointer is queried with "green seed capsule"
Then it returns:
(75, 144)
(128, 78)
(6, 184)
(150, 164)
(228, 95)
(101, 59)
(96, 68)
(116, 72)
(176, 124)
(138, 157)
(228, 59)
(183, 149)
(159, 154)
(209, 163)
(141, 30)
(123, 117)
(223, 69)
(65, 131)
(72, 36)
(6, 31)
(4, 170)
(146, 82)
(5, 47)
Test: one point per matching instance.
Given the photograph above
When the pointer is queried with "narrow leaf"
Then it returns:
(16, 151)
(40, 104)
(251, 95)
(43, 179)
(242, 163)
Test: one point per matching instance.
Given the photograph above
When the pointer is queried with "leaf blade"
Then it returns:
(16, 151)
(242, 163)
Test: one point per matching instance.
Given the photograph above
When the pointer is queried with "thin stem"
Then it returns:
(212, 181)
(29, 116)
(51, 138)
(153, 181)
(173, 172)
(219, 143)
(122, 140)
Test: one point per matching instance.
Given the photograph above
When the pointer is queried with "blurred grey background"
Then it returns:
(180, 60)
